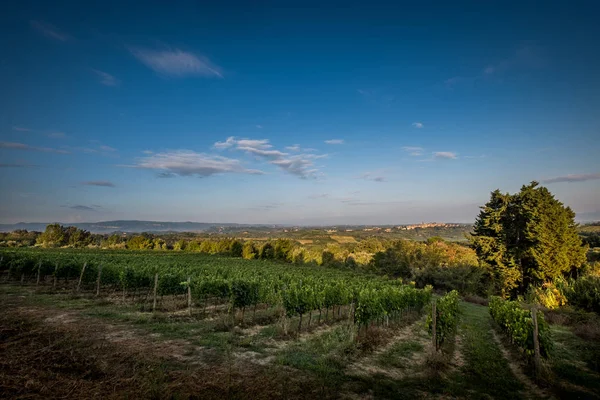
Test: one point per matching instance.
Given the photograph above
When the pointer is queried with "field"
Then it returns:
(250, 329)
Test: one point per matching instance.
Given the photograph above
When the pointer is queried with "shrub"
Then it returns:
(585, 293)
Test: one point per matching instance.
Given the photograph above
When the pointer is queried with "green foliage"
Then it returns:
(57, 235)
(139, 242)
(249, 251)
(378, 303)
(447, 317)
(466, 279)
(517, 322)
(526, 239)
(266, 252)
(240, 282)
(585, 293)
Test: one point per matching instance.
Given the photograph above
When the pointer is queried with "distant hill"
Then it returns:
(128, 226)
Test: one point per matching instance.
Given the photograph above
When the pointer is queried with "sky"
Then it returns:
(294, 112)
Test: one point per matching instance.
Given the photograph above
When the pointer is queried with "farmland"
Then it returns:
(222, 327)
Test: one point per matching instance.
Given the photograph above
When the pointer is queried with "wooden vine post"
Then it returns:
(433, 324)
(155, 289)
(38, 273)
(537, 359)
(98, 280)
(189, 295)
(55, 273)
(81, 276)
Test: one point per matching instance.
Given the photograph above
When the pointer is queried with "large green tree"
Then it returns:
(526, 238)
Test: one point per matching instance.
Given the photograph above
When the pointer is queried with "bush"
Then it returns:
(517, 323)
(466, 279)
(585, 293)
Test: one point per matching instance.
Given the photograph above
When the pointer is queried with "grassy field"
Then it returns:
(59, 344)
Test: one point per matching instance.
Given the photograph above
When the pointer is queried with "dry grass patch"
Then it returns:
(343, 239)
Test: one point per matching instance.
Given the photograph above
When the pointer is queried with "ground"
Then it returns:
(77, 346)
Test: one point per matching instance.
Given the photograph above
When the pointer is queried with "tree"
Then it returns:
(249, 252)
(526, 239)
(139, 242)
(53, 236)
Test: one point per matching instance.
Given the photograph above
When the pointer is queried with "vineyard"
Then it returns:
(207, 326)
(205, 282)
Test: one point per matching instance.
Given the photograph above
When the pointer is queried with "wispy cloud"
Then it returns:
(102, 150)
(295, 147)
(259, 126)
(413, 150)
(177, 63)
(444, 155)
(319, 196)
(106, 79)
(57, 135)
(371, 176)
(49, 30)
(107, 148)
(18, 165)
(147, 152)
(267, 207)
(335, 141)
(80, 207)
(26, 147)
(527, 56)
(474, 157)
(417, 125)
(301, 165)
(99, 183)
(47, 133)
(190, 163)
(21, 129)
(573, 178)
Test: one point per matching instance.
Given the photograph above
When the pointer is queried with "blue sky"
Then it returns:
(294, 112)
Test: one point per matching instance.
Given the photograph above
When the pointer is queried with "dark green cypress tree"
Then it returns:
(526, 239)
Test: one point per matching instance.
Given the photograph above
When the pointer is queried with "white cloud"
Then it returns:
(190, 163)
(301, 165)
(259, 126)
(107, 79)
(49, 31)
(21, 129)
(445, 155)
(57, 135)
(573, 178)
(417, 125)
(147, 152)
(413, 150)
(22, 146)
(335, 141)
(295, 147)
(177, 63)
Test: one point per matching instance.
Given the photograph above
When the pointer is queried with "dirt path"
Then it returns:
(533, 390)
(369, 365)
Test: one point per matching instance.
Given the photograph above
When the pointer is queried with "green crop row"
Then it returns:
(517, 323)
(447, 314)
(241, 283)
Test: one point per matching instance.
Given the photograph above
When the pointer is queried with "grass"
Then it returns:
(575, 365)
(485, 371)
(321, 359)
(398, 354)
